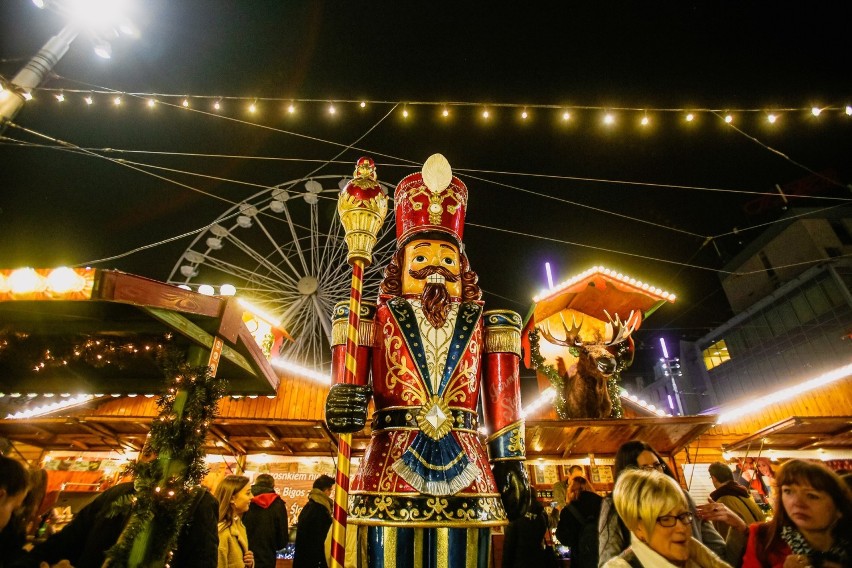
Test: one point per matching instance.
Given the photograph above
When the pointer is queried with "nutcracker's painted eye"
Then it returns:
(420, 258)
(449, 261)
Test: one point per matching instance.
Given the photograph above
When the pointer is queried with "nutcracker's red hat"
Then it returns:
(431, 201)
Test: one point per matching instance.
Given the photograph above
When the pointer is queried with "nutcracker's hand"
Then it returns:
(346, 408)
(514, 487)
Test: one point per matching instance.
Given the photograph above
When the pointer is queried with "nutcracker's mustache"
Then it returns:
(436, 272)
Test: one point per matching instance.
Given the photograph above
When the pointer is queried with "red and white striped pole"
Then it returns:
(344, 441)
(362, 206)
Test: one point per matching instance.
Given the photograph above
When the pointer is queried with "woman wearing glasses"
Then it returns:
(655, 510)
(613, 534)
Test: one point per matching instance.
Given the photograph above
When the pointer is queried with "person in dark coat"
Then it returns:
(524, 545)
(266, 522)
(97, 526)
(582, 512)
(313, 524)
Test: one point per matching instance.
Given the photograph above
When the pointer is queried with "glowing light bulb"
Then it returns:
(690, 117)
(729, 119)
(291, 109)
(227, 290)
(524, 114)
(60, 97)
(116, 101)
(405, 114)
(485, 114)
(88, 100)
(645, 121)
(26, 281)
(363, 104)
(206, 289)
(771, 118)
(151, 103)
(566, 115)
(252, 108)
(63, 280)
(445, 113)
(28, 96)
(848, 110)
(608, 118)
(816, 111)
(217, 105)
(331, 109)
(185, 103)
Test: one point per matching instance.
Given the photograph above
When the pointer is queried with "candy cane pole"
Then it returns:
(362, 206)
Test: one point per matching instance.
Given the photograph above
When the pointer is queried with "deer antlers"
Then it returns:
(618, 330)
(572, 336)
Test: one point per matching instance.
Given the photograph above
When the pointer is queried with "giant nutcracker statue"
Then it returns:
(427, 492)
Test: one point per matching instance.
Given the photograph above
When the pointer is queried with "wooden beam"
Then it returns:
(236, 448)
(272, 436)
(839, 438)
(577, 433)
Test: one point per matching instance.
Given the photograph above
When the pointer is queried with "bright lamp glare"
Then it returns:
(39, 4)
(99, 14)
(816, 111)
(63, 280)
(103, 49)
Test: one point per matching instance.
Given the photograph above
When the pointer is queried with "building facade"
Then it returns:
(791, 292)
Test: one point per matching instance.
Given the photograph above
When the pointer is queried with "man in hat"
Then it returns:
(426, 487)
(266, 522)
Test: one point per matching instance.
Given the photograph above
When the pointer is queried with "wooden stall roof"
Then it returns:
(102, 342)
(801, 433)
(561, 439)
(828, 404)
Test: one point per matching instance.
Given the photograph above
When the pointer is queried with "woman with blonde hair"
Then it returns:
(658, 516)
(234, 496)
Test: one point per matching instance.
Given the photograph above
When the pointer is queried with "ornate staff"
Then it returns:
(362, 207)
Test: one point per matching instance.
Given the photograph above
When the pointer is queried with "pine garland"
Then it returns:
(177, 438)
(557, 381)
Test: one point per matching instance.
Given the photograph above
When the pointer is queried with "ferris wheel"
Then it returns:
(284, 252)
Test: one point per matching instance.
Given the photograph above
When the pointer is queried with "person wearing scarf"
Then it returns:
(313, 524)
(812, 526)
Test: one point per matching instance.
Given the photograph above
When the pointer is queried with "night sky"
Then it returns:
(639, 200)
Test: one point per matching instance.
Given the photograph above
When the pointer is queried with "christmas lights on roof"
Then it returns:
(624, 279)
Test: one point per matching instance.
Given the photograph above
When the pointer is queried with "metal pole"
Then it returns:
(12, 98)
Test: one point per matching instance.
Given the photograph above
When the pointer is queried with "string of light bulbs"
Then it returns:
(443, 109)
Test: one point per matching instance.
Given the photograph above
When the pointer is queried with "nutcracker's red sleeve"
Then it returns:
(501, 389)
(339, 337)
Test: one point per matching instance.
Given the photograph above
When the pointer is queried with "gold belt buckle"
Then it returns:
(435, 418)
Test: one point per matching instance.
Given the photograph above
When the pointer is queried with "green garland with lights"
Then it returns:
(167, 486)
(557, 381)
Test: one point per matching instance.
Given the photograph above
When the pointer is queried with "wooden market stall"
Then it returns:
(80, 337)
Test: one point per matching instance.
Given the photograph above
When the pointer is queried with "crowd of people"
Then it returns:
(238, 525)
(648, 521)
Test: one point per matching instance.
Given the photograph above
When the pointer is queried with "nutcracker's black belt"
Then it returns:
(407, 418)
